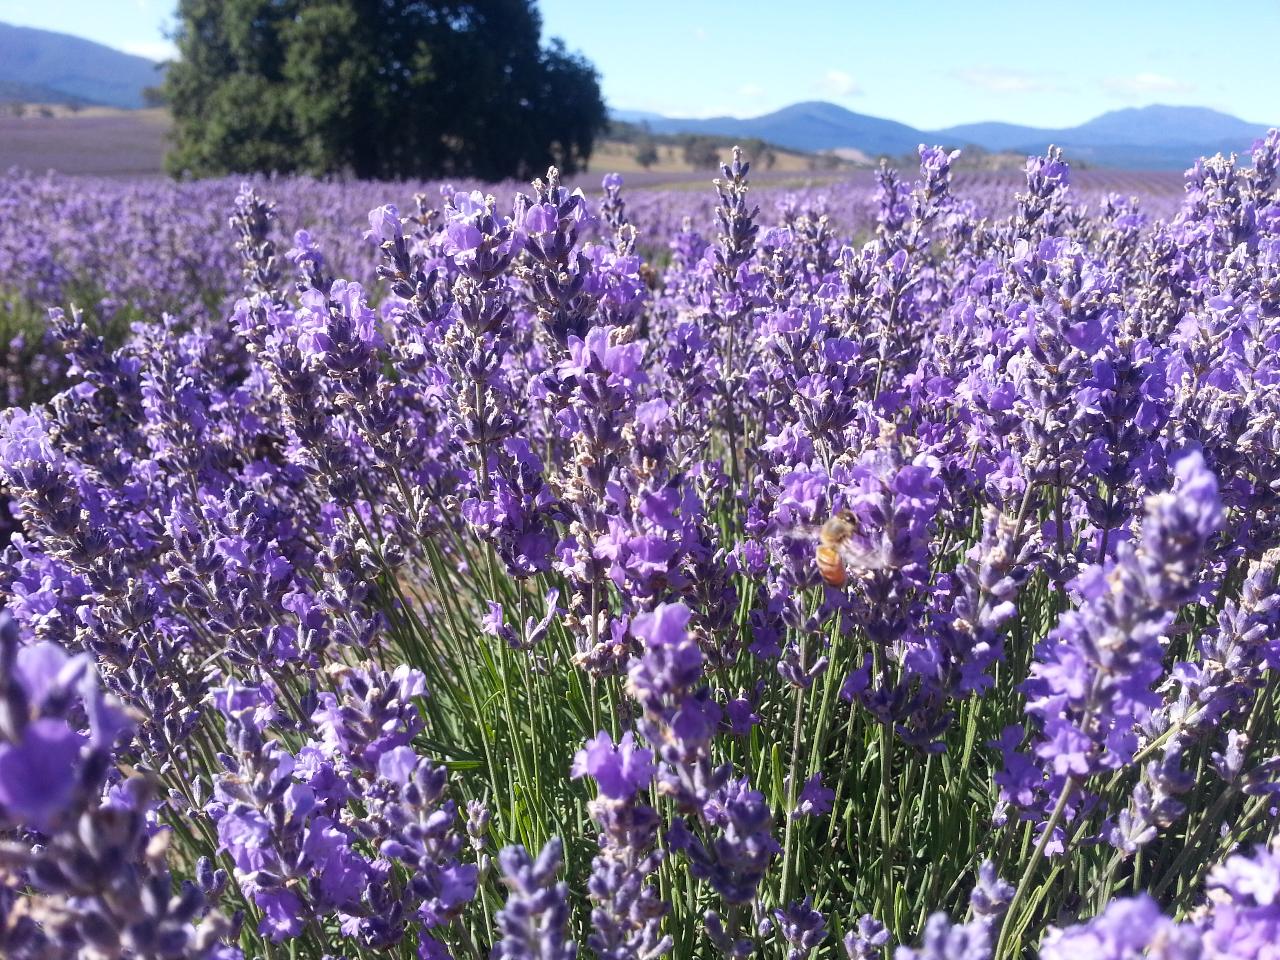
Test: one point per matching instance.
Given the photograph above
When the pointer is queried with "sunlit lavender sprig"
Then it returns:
(627, 914)
(1091, 684)
(534, 921)
(729, 842)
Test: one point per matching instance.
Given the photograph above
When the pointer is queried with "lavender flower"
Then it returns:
(558, 459)
(618, 771)
(867, 940)
(1244, 905)
(814, 800)
(534, 921)
(91, 870)
(803, 927)
(1127, 928)
(627, 914)
(1091, 684)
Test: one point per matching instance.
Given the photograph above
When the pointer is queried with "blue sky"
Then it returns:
(930, 63)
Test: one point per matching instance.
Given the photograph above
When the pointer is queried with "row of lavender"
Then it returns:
(467, 606)
(136, 249)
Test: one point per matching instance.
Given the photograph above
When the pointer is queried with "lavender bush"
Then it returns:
(442, 582)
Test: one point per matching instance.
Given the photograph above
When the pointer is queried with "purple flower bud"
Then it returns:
(39, 773)
(814, 800)
(619, 772)
(803, 927)
(867, 940)
(384, 224)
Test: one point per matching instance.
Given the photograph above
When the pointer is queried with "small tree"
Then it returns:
(646, 153)
(701, 153)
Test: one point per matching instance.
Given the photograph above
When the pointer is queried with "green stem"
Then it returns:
(792, 777)
(886, 831)
(1024, 884)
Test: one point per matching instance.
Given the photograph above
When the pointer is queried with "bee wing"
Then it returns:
(795, 531)
(857, 557)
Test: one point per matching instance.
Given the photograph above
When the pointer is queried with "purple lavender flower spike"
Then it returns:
(867, 940)
(1091, 683)
(95, 879)
(534, 922)
(944, 940)
(803, 928)
(627, 914)
(1243, 919)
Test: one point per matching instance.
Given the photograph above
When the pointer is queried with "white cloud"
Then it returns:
(837, 83)
(1144, 83)
(997, 80)
(151, 49)
(751, 91)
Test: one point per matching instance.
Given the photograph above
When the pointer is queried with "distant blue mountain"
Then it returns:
(1165, 125)
(812, 126)
(994, 135)
(45, 67)
(635, 116)
(1154, 137)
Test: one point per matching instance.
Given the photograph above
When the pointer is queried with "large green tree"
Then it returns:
(377, 88)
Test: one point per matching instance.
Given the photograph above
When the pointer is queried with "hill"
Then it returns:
(57, 71)
(812, 127)
(40, 66)
(1157, 136)
(1154, 137)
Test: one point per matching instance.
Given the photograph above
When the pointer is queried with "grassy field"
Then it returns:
(619, 157)
(99, 140)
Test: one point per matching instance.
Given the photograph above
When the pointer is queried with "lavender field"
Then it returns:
(877, 568)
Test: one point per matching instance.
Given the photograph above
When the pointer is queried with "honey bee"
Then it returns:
(836, 553)
(833, 536)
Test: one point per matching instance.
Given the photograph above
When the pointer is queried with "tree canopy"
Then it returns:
(377, 88)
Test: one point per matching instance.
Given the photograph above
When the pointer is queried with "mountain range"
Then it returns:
(40, 66)
(1153, 137)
